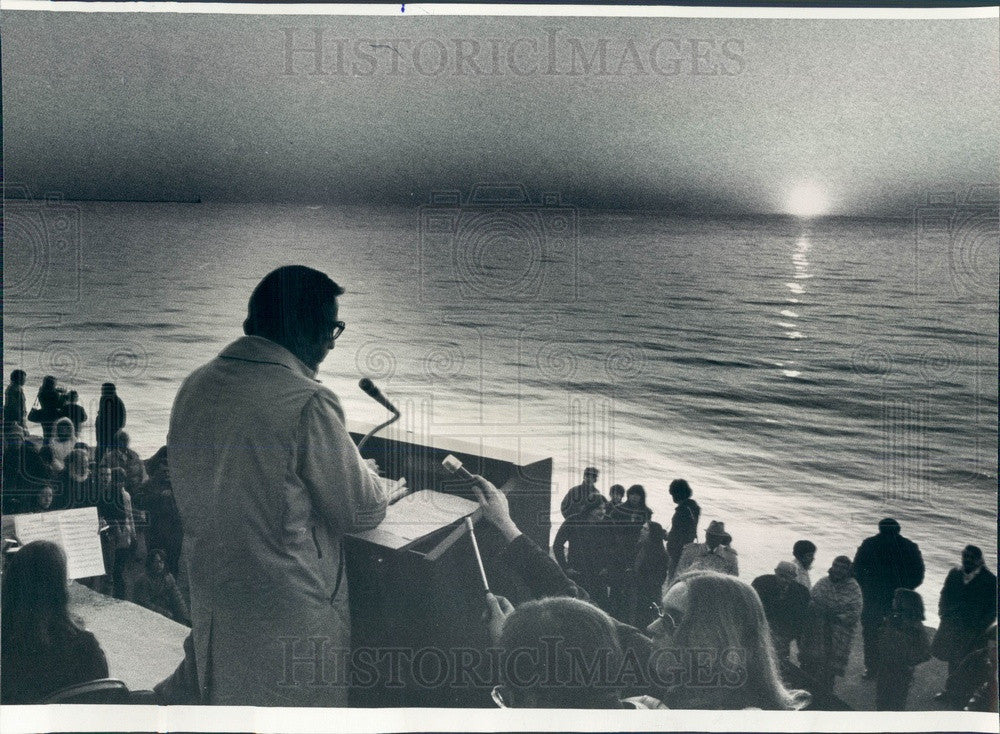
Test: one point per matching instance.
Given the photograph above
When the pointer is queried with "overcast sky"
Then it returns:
(703, 114)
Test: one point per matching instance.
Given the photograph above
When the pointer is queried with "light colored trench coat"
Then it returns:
(267, 480)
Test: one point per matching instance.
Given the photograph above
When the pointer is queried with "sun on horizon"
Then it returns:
(807, 200)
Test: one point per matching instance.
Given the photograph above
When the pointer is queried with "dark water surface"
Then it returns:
(807, 378)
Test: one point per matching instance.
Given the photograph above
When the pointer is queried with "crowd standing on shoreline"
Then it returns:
(620, 582)
(60, 470)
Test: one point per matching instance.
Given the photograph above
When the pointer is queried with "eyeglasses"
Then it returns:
(670, 624)
(337, 330)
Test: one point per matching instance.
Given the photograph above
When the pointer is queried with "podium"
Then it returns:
(416, 614)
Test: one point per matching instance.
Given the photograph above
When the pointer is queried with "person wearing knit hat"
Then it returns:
(786, 606)
(715, 554)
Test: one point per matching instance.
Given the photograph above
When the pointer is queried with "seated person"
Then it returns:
(554, 678)
(44, 650)
(715, 645)
(43, 499)
(544, 577)
(158, 591)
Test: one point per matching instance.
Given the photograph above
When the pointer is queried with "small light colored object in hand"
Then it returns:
(479, 558)
(454, 466)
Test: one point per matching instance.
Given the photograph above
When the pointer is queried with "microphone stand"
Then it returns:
(378, 428)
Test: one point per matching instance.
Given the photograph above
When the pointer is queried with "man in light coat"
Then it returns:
(267, 480)
(715, 554)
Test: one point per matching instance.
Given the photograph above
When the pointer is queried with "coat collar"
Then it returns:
(264, 351)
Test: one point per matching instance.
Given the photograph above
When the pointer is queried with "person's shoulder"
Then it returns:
(322, 399)
(83, 640)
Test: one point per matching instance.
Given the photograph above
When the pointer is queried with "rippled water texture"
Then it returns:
(807, 378)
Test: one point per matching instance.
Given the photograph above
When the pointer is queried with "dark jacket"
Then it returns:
(966, 610)
(623, 546)
(972, 605)
(536, 569)
(29, 676)
(884, 563)
(161, 595)
(76, 413)
(683, 527)
(14, 405)
(110, 418)
(576, 499)
(589, 545)
(786, 604)
(902, 646)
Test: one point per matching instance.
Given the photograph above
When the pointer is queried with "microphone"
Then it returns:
(375, 394)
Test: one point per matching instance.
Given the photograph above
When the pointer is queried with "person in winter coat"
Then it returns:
(648, 573)
(578, 497)
(902, 646)
(157, 590)
(74, 411)
(119, 455)
(267, 483)
(589, 536)
(50, 404)
(835, 607)
(715, 554)
(882, 564)
(62, 443)
(628, 519)
(967, 607)
(111, 418)
(15, 408)
(683, 525)
(786, 606)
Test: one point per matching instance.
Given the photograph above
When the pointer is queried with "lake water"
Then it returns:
(807, 378)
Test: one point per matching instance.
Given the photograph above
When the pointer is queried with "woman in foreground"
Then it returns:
(714, 648)
(43, 650)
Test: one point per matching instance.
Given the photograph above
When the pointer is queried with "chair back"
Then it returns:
(103, 690)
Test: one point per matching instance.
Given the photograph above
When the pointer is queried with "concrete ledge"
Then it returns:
(142, 647)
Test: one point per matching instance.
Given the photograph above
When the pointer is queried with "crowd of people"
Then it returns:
(59, 470)
(266, 510)
(618, 582)
(624, 560)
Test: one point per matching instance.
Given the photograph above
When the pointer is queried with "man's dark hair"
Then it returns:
(974, 550)
(289, 302)
(888, 526)
(803, 548)
(617, 489)
(680, 489)
(18, 377)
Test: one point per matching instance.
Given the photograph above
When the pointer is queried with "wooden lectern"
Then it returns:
(417, 629)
